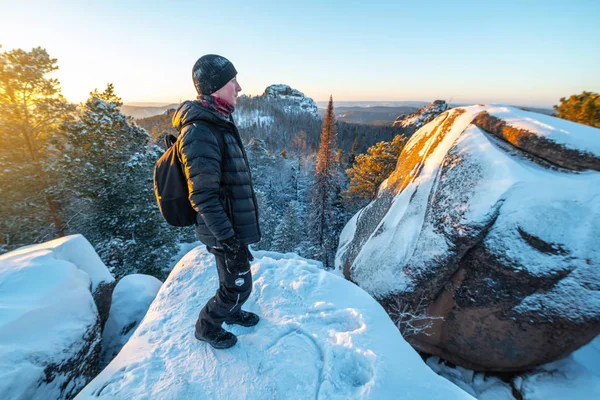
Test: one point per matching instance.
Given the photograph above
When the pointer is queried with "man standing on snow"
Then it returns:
(221, 192)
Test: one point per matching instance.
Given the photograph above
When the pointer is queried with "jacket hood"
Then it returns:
(192, 111)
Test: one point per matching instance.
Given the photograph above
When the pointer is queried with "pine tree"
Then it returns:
(108, 166)
(268, 220)
(31, 109)
(288, 232)
(352, 155)
(583, 108)
(371, 169)
(324, 192)
(259, 161)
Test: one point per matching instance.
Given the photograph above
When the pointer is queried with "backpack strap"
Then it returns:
(169, 140)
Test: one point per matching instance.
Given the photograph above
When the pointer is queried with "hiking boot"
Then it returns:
(218, 338)
(243, 318)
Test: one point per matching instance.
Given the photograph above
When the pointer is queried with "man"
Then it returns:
(220, 185)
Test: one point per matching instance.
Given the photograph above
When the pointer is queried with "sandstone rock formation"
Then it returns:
(484, 237)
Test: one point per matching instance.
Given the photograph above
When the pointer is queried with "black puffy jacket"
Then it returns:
(224, 198)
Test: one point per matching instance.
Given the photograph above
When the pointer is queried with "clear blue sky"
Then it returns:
(518, 52)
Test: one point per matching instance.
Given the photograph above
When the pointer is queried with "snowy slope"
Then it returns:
(248, 118)
(131, 299)
(319, 337)
(49, 324)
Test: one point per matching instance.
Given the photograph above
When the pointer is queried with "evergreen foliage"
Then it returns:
(352, 155)
(107, 166)
(288, 234)
(371, 169)
(31, 110)
(583, 108)
(326, 208)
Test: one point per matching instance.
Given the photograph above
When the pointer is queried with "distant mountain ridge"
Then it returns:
(137, 111)
(369, 104)
(376, 115)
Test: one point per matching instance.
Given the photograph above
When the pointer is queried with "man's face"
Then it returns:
(229, 92)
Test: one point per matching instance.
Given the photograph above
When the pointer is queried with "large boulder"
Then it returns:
(482, 246)
(319, 337)
(49, 323)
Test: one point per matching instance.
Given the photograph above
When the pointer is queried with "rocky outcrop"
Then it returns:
(276, 107)
(50, 328)
(294, 99)
(538, 144)
(485, 246)
(411, 122)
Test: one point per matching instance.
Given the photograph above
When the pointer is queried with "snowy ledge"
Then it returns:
(49, 322)
(319, 337)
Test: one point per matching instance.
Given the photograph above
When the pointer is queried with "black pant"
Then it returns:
(234, 290)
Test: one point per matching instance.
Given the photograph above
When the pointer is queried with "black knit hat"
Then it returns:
(211, 72)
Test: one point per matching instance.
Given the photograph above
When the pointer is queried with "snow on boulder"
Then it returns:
(49, 324)
(490, 248)
(564, 143)
(130, 302)
(319, 337)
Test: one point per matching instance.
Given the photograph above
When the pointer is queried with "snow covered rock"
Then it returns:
(130, 302)
(295, 97)
(319, 337)
(424, 115)
(279, 104)
(49, 323)
(494, 241)
(544, 136)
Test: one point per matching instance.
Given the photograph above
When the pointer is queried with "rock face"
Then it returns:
(424, 115)
(278, 103)
(297, 100)
(49, 323)
(485, 242)
(319, 337)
